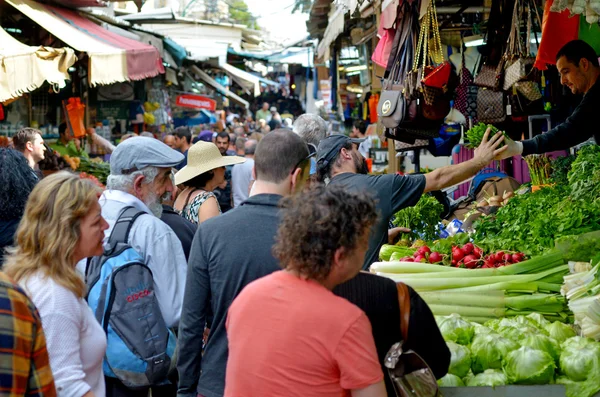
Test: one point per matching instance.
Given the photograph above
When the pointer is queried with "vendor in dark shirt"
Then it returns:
(340, 163)
(579, 70)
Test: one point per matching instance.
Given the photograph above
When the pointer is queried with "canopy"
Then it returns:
(222, 90)
(24, 68)
(113, 58)
(248, 81)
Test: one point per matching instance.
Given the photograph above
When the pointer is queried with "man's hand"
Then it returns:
(512, 149)
(488, 150)
(393, 234)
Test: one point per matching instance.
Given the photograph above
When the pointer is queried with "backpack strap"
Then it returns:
(120, 232)
(404, 301)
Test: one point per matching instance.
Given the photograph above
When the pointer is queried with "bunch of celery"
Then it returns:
(482, 294)
(582, 290)
(540, 169)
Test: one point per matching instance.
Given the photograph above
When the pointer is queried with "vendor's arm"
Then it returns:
(100, 141)
(450, 175)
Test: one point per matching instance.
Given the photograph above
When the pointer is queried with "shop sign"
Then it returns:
(196, 102)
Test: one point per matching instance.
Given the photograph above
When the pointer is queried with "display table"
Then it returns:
(507, 391)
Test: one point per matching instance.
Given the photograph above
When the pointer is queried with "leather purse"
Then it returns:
(529, 89)
(391, 108)
(490, 106)
(410, 374)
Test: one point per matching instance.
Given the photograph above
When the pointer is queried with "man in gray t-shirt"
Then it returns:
(340, 163)
(241, 174)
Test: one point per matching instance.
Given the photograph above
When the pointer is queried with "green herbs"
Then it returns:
(422, 218)
(475, 134)
(540, 169)
(560, 169)
(584, 177)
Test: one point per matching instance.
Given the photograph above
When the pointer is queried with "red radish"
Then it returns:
(409, 260)
(457, 254)
(405, 259)
(478, 252)
(516, 258)
(507, 257)
(471, 261)
(435, 257)
(424, 250)
(420, 258)
(499, 256)
(468, 248)
(454, 262)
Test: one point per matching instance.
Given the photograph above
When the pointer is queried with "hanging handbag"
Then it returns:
(391, 108)
(490, 106)
(529, 89)
(410, 374)
(522, 62)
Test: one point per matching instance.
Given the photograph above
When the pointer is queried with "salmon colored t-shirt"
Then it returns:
(293, 337)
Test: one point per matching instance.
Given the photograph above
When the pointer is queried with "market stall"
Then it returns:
(517, 298)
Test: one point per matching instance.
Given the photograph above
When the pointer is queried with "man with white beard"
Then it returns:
(140, 177)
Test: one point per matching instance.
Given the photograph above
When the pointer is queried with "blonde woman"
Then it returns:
(62, 224)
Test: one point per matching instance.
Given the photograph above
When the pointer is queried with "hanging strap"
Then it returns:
(404, 301)
(120, 232)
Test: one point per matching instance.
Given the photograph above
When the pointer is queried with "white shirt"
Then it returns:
(158, 245)
(241, 176)
(365, 146)
(75, 341)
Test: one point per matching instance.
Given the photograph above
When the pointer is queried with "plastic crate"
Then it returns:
(460, 154)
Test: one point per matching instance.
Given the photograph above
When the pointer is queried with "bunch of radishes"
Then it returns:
(469, 256)
(424, 255)
(502, 258)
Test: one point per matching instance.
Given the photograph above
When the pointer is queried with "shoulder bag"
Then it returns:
(409, 373)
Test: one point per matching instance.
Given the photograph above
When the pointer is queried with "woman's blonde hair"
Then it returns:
(50, 229)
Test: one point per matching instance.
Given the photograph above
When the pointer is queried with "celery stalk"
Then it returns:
(411, 267)
(446, 310)
(463, 299)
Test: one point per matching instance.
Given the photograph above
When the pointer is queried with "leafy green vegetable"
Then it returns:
(387, 250)
(528, 366)
(584, 177)
(423, 218)
(560, 169)
(475, 134)
(586, 388)
(490, 377)
(450, 380)
(540, 168)
(580, 358)
(488, 351)
(544, 343)
(100, 170)
(456, 329)
(559, 331)
(460, 359)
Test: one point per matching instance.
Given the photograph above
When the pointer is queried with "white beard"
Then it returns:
(153, 202)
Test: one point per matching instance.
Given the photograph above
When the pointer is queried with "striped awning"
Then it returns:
(24, 68)
(113, 58)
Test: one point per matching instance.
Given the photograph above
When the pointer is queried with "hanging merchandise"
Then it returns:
(466, 93)
(522, 63)
(75, 112)
(588, 8)
(490, 106)
(434, 77)
(557, 30)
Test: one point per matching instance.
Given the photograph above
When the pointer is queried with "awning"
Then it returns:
(248, 81)
(334, 29)
(24, 68)
(222, 90)
(112, 58)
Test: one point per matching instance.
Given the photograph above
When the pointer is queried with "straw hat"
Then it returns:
(203, 157)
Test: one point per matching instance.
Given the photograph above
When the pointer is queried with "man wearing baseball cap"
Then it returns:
(140, 176)
(339, 162)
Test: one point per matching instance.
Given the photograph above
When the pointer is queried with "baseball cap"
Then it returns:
(331, 146)
(140, 152)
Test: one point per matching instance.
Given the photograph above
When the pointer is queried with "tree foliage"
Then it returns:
(239, 13)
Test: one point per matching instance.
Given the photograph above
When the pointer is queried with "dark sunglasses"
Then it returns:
(312, 150)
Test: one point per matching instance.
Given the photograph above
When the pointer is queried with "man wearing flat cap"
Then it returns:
(140, 177)
(340, 163)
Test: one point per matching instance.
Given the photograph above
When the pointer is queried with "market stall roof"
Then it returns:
(224, 91)
(113, 58)
(24, 68)
(249, 80)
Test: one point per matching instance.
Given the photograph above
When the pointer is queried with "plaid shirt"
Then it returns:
(24, 364)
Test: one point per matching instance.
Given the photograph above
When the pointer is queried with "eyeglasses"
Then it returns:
(312, 150)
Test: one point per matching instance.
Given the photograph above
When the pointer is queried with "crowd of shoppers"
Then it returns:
(265, 299)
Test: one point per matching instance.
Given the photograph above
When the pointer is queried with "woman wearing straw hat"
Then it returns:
(204, 172)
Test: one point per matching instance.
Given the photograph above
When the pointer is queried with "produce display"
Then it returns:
(95, 167)
(530, 223)
(422, 218)
(524, 350)
(53, 161)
